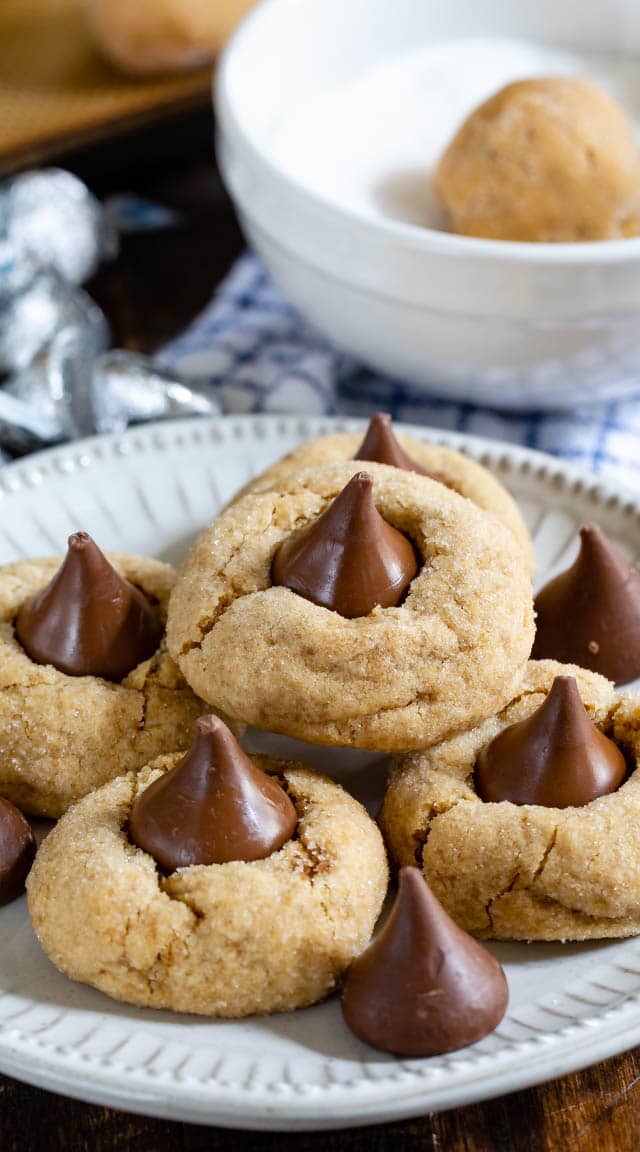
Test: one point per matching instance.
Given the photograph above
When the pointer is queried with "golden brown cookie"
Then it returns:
(155, 37)
(396, 679)
(458, 472)
(548, 159)
(221, 940)
(61, 736)
(523, 872)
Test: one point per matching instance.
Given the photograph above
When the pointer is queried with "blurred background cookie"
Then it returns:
(154, 36)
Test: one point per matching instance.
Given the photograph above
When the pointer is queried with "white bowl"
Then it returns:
(509, 324)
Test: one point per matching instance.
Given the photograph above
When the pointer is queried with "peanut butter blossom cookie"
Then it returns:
(371, 609)
(87, 687)
(528, 825)
(380, 445)
(212, 883)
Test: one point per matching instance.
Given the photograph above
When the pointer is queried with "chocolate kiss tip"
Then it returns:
(348, 560)
(594, 542)
(89, 621)
(590, 613)
(591, 531)
(209, 724)
(556, 758)
(423, 986)
(381, 446)
(215, 806)
(363, 480)
(78, 540)
(17, 851)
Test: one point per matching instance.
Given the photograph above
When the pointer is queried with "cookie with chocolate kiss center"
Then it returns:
(213, 807)
(556, 757)
(89, 621)
(349, 559)
(590, 614)
(17, 851)
(423, 986)
(381, 446)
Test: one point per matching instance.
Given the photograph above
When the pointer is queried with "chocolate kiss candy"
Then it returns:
(214, 806)
(349, 559)
(17, 850)
(590, 614)
(557, 757)
(89, 621)
(423, 986)
(381, 447)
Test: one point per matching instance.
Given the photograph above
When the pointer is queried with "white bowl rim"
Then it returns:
(423, 239)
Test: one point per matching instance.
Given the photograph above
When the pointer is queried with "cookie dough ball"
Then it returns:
(61, 735)
(397, 678)
(150, 36)
(221, 939)
(549, 160)
(511, 871)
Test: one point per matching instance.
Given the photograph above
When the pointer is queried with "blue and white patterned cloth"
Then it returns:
(259, 355)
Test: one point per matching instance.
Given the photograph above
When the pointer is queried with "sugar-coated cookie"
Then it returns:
(508, 870)
(62, 735)
(397, 678)
(225, 939)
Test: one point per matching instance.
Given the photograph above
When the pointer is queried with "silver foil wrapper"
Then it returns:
(30, 319)
(53, 235)
(60, 382)
(51, 219)
(129, 389)
(53, 391)
(69, 392)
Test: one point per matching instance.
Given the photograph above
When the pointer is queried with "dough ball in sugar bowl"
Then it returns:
(548, 159)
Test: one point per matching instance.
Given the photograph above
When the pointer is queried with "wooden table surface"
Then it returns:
(158, 283)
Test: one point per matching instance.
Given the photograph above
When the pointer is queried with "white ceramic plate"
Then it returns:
(150, 491)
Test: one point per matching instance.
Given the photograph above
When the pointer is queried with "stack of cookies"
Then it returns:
(365, 593)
